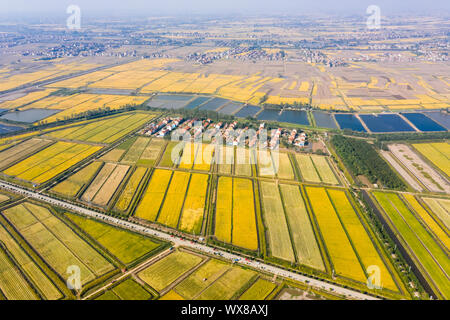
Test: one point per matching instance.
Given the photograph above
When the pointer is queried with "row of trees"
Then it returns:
(362, 159)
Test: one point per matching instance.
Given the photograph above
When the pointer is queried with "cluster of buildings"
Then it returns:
(229, 133)
(297, 139)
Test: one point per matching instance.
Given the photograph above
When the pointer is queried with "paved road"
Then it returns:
(187, 243)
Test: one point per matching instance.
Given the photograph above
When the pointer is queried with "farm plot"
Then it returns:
(3, 198)
(244, 158)
(153, 196)
(194, 205)
(358, 236)
(432, 261)
(57, 244)
(283, 167)
(324, 169)
(436, 153)
(21, 150)
(307, 169)
(101, 190)
(29, 267)
(130, 189)
(126, 246)
(165, 271)
(437, 229)
(235, 220)
(173, 202)
(302, 233)
(12, 283)
(134, 153)
(340, 250)
(266, 165)
(225, 159)
(259, 290)
(405, 174)
(51, 161)
(419, 168)
(168, 159)
(189, 153)
(126, 290)
(228, 285)
(204, 157)
(441, 208)
(201, 279)
(105, 131)
(72, 185)
(277, 227)
(151, 152)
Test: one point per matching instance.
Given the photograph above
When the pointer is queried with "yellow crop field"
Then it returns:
(437, 229)
(72, 185)
(153, 196)
(130, 189)
(224, 209)
(51, 161)
(360, 239)
(188, 156)
(284, 170)
(441, 208)
(244, 220)
(28, 98)
(324, 169)
(194, 205)
(173, 202)
(307, 169)
(437, 153)
(345, 262)
(204, 157)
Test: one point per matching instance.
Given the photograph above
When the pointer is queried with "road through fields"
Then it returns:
(279, 272)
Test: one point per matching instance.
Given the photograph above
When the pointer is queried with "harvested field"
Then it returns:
(110, 186)
(151, 152)
(405, 174)
(421, 170)
(98, 182)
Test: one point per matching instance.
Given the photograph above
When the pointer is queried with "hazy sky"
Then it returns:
(175, 7)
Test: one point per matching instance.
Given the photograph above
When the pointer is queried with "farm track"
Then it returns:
(189, 244)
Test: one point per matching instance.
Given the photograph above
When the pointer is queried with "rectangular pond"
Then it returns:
(7, 129)
(386, 123)
(423, 123)
(295, 117)
(349, 121)
(269, 115)
(197, 102)
(214, 104)
(174, 97)
(442, 118)
(29, 116)
(324, 120)
(247, 111)
(231, 108)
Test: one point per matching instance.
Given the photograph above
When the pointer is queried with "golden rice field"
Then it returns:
(153, 196)
(358, 236)
(56, 243)
(51, 161)
(437, 153)
(130, 189)
(191, 220)
(26, 99)
(235, 220)
(105, 131)
(21, 150)
(259, 290)
(441, 208)
(339, 248)
(73, 185)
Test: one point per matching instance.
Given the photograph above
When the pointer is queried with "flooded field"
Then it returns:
(441, 118)
(324, 120)
(295, 117)
(386, 123)
(349, 121)
(423, 123)
(29, 116)
(248, 111)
